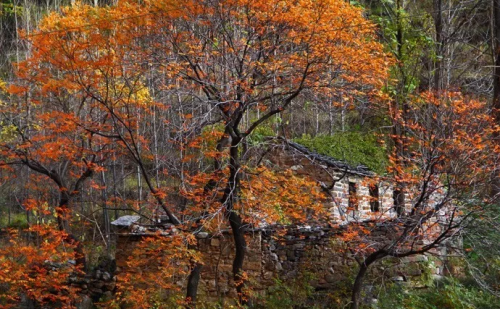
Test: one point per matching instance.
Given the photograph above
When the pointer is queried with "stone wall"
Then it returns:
(285, 254)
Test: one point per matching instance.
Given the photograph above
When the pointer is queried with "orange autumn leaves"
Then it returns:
(153, 272)
(83, 88)
(38, 263)
(448, 159)
(451, 133)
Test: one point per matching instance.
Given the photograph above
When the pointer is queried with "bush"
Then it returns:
(17, 221)
(446, 294)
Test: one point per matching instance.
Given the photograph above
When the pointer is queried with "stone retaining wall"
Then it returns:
(285, 254)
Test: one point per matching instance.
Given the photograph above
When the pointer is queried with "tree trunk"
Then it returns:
(438, 24)
(192, 285)
(228, 200)
(495, 186)
(363, 268)
(63, 225)
(239, 258)
(358, 284)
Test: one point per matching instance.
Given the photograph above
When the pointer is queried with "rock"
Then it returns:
(126, 221)
(110, 286)
(398, 278)
(202, 235)
(299, 246)
(268, 275)
(273, 256)
(85, 303)
(215, 242)
(106, 276)
(415, 259)
(212, 285)
(135, 228)
(95, 291)
(330, 278)
(253, 266)
(305, 228)
(107, 296)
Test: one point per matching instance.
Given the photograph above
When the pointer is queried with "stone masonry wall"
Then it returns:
(281, 253)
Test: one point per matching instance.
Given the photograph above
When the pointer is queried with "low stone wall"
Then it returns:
(285, 254)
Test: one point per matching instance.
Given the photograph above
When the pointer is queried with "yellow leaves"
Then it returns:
(3, 86)
(8, 133)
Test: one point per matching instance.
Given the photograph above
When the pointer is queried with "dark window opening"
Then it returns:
(374, 199)
(399, 201)
(353, 199)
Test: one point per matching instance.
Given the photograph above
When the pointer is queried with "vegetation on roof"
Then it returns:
(355, 148)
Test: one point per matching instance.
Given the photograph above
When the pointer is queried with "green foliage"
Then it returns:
(353, 147)
(446, 294)
(414, 43)
(295, 294)
(260, 133)
(481, 242)
(17, 221)
(8, 8)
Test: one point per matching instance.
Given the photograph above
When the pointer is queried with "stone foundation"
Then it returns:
(285, 254)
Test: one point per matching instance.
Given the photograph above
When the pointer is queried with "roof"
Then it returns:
(339, 165)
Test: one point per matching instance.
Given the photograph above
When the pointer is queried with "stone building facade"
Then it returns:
(356, 193)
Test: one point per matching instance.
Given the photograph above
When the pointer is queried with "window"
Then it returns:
(399, 201)
(353, 199)
(374, 198)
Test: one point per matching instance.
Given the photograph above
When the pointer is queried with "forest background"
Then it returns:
(157, 109)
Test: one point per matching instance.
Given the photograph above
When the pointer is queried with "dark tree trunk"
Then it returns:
(438, 24)
(495, 187)
(192, 286)
(235, 221)
(363, 268)
(63, 225)
(399, 199)
(239, 258)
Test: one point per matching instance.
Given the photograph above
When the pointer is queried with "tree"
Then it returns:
(451, 153)
(39, 269)
(251, 60)
(248, 61)
(496, 80)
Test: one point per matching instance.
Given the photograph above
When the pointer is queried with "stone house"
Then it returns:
(356, 194)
